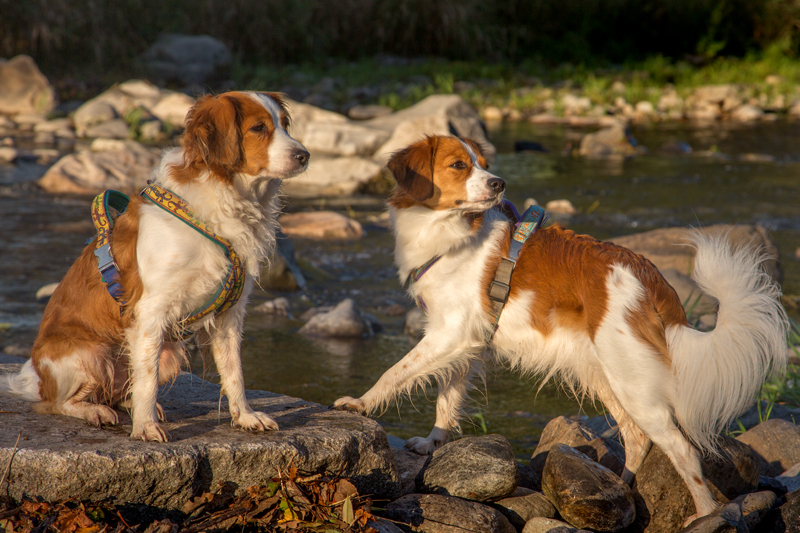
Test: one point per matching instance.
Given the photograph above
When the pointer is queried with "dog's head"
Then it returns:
(443, 172)
(244, 134)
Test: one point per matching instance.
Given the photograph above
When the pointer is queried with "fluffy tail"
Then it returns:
(25, 383)
(720, 372)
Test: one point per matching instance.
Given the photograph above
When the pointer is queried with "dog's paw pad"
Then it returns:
(255, 421)
(150, 432)
(347, 403)
(422, 445)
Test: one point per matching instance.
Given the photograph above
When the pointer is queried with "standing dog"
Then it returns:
(90, 355)
(596, 315)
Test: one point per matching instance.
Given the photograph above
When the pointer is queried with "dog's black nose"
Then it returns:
(497, 185)
(302, 157)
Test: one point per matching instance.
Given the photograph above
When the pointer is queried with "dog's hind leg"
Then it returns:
(449, 404)
(78, 406)
(636, 443)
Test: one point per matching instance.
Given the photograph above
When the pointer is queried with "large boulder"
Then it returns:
(433, 513)
(333, 176)
(187, 59)
(475, 468)
(23, 87)
(343, 138)
(776, 444)
(440, 114)
(663, 502)
(62, 458)
(120, 165)
(303, 115)
(666, 247)
(585, 493)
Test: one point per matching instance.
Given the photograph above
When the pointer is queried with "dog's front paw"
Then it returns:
(100, 415)
(254, 420)
(150, 432)
(423, 446)
(347, 403)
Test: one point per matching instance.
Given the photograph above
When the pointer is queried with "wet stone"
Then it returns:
(433, 513)
(475, 468)
(523, 505)
(344, 320)
(585, 493)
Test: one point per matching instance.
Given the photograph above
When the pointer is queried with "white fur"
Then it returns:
(25, 383)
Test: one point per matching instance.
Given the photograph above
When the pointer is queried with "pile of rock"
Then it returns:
(573, 484)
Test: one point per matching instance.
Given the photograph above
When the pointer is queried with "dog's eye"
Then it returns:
(258, 127)
(459, 165)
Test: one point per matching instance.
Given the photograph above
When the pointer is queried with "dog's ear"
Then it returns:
(413, 168)
(213, 134)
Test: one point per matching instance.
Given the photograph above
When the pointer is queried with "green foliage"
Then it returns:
(482, 427)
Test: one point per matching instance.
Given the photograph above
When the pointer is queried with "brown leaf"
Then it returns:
(197, 502)
(344, 489)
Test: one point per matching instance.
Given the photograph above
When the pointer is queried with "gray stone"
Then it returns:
(344, 320)
(476, 468)
(524, 504)
(747, 113)
(562, 430)
(755, 506)
(125, 168)
(663, 502)
(278, 307)
(409, 464)
(62, 458)
(549, 525)
(440, 114)
(791, 478)
(366, 112)
(23, 87)
(784, 519)
(327, 176)
(52, 126)
(110, 129)
(8, 154)
(611, 141)
(727, 519)
(343, 138)
(664, 247)
(305, 114)
(321, 225)
(433, 513)
(172, 108)
(776, 444)
(187, 59)
(93, 112)
(586, 494)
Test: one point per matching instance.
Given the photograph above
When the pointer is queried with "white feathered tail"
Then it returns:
(720, 372)
(25, 383)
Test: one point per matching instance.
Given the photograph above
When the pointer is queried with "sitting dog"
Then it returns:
(596, 315)
(93, 353)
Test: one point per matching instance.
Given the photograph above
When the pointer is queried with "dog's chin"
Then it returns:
(481, 205)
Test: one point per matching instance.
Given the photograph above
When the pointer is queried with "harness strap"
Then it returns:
(231, 288)
(529, 222)
(103, 220)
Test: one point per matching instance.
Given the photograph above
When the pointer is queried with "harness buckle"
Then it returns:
(104, 259)
(498, 291)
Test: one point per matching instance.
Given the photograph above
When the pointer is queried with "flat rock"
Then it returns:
(321, 225)
(409, 464)
(433, 513)
(23, 87)
(663, 502)
(523, 505)
(474, 468)
(586, 494)
(549, 525)
(343, 138)
(63, 458)
(562, 430)
(776, 444)
(665, 247)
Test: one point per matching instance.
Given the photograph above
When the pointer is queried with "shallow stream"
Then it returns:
(735, 174)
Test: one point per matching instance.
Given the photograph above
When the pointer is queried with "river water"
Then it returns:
(735, 174)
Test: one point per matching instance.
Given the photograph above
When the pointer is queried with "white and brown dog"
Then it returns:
(88, 356)
(599, 317)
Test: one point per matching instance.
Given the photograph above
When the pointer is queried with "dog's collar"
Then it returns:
(229, 291)
(526, 225)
